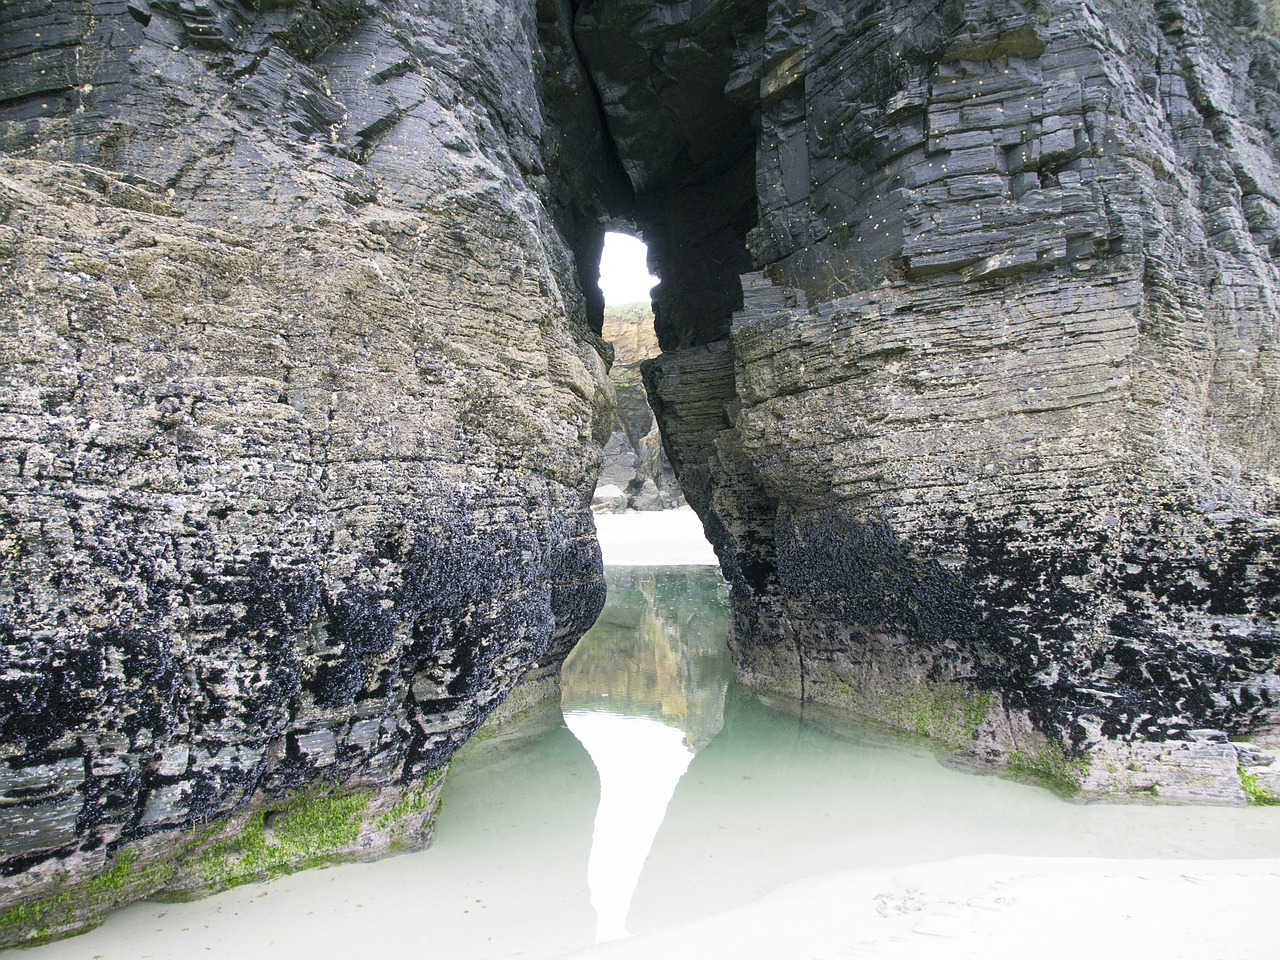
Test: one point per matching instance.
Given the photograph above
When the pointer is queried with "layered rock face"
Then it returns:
(636, 474)
(301, 413)
(986, 436)
(969, 311)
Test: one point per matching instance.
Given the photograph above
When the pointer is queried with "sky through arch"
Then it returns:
(624, 277)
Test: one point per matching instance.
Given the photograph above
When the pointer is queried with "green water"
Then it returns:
(773, 794)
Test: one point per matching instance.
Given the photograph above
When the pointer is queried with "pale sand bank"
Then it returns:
(661, 538)
(988, 907)
(993, 908)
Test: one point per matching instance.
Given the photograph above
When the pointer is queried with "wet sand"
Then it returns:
(994, 908)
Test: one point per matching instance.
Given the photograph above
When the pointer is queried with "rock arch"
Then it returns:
(969, 311)
(969, 363)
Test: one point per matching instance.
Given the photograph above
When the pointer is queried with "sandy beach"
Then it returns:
(994, 908)
(989, 907)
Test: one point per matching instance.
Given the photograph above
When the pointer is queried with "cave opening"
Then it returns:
(681, 108)
(636, 474)
(624, 272)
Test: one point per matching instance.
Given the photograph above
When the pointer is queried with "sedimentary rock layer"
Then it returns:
(969, 311)
(301, 413)
(989, 447)
(636, 474)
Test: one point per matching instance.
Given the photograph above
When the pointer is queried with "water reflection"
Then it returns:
(639, 762)
(644, 691)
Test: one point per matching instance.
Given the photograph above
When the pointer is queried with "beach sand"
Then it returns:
(988, 907)
(994, 908)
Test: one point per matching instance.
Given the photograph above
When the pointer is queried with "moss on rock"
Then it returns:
(1049, 763)
(325, 825)
(1255, 793)
(944, 711)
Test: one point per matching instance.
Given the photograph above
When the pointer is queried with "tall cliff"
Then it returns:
(301, 412)
(971, 319)
(970, 330)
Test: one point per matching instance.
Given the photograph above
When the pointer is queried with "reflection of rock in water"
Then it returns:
(657, 651)
(642, 691)
(640, 761)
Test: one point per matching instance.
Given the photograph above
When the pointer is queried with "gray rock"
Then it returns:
(167, 805)
(1251, 756)
(318, 748)
(1266, 780)
(1207, 736)
(608, 499)
(173, 760)
(634, 458)
(619, 462)
(939, 427)
(1196, 771)
(301, 399)
(647, 498)
(39, 807)
(967, 313)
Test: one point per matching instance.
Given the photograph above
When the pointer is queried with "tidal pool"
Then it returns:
(658, 793)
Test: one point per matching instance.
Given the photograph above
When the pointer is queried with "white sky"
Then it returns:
(624, 278)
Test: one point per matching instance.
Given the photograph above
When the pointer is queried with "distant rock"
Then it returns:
(609, 498)
(634, 459)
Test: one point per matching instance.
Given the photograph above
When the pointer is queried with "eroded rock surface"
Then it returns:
(301, 412)
(636, 474)
(988, 441)
(969, 311)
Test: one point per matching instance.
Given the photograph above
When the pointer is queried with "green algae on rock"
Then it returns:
(318, 827)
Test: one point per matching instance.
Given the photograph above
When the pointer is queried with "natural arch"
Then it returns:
(906, 316)
(969, 367)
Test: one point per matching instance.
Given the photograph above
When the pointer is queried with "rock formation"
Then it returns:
(302, 410)
(970, 330)
(986, 435)
(636, 474)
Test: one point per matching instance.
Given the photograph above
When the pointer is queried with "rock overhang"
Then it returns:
(953, 337)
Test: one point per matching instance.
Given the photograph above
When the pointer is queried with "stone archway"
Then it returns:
(974, 394)
(968, 312)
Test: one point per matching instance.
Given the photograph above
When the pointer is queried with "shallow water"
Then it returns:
(711, 797)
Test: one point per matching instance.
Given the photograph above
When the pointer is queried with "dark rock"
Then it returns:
(946, 446)
(302, 405)
(685, 138)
